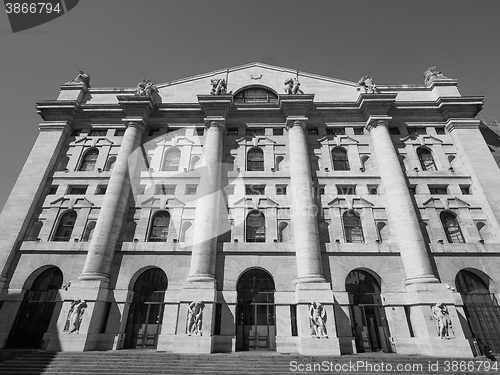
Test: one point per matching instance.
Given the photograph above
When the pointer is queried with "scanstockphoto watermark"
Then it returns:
(423, 367)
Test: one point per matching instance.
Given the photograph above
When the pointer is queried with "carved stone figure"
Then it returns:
(195, 318)
(432, 74)
(443, 321)
(292, 86)
(145, 88)
(75, 316)
(81, 78)
(218, 86)
(369, 84)
(317, 319)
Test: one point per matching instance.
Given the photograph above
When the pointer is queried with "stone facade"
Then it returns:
(194, 222)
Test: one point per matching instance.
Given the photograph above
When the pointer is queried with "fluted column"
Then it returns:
(114, 206)
(304, 211)
(399, 206)
(206, 222)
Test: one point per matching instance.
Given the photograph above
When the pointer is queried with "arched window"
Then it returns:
(35, 231)
(255, 95)
(159, 227)
(451, 227)
(65, 227)
(340, 160)
(255, 160)
(383, 231)
(256, 227)
(352, 227)
(89, 231)
(63, 163)
(324, 232)
(110, 163)
(426, 159)
(89, 160)
(171, 160)
(194, 162)
(186, 232)
(484, 231)
(279, 163)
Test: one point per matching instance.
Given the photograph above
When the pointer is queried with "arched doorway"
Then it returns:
(146, 310)
(481, 309)
(36, 310)
(368, 321)
(255, 327)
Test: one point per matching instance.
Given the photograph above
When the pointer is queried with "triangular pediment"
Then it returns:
(258, 75)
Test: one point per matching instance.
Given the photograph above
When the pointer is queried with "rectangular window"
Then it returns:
(141, 190)
(98, 133)
(255, 189)
(412, 189)
(373, 189)
(101, 189)
(346, 189)
(53, 189)
(153, 132)
(77, 190)
(319, 190)
(312, 131)
(200, 132)
(281, 189)
(438, 189)
(394, 131)
(75, 133)
(440, 131)
(465, 189)
(164, 189)
(174, 132)
(359, 130)
(277, 131)
(191, 189)
(255, 131)
(232, 131)
(417, 130)
(335, 131)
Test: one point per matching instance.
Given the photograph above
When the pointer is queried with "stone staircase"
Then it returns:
(152, 362)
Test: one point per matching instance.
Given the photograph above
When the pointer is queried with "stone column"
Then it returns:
(399, 205)
(304, 211)
(114, 208)
(208, 206)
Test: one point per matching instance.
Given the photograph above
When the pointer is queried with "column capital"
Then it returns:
(135, 123)
(136, 108)
(219, 122)
(295, 105)
(57, 110)
(296, 121)
(459, 123)
(215, 105)
(374, 121)
(53, 126)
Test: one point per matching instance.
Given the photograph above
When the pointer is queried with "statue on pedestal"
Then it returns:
(432, 74)
(81, 78)
(145, 88)
(292, 86)
(218, 86)
(75, 316)
(443, 321)
(317, 319)
(195, 318)
(368, 83)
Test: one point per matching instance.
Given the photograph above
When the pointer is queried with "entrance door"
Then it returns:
(255, 328)
(481, 308)
(368, 321)
(146, 311)
(36, 311)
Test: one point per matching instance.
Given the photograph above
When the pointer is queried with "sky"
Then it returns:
(118, 42)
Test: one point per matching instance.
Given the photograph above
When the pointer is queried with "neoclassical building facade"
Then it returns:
(225, 212)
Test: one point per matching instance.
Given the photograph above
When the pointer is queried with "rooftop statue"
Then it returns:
(292, 86)
(145, 88)
(81, 78)
(369, 84)
(432, 74)
(218, 86)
